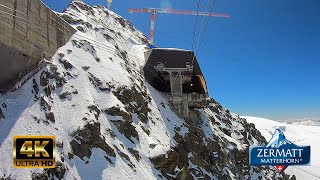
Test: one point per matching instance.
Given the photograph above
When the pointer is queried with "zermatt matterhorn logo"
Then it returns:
(279, 153)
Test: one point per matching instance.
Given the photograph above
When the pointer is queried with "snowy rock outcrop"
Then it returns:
(110, 124)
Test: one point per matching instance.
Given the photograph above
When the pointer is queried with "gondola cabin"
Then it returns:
(177, 72)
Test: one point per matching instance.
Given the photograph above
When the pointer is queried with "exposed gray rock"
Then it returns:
(66, 64)
(94, 109)
(127, 129)
(46, 107)
(135, 153)
(2, 115)
(51, 173)
(89, 137)
(130, 96)
(116, 111)
(96, 82)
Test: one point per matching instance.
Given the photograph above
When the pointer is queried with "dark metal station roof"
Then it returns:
(171, 58)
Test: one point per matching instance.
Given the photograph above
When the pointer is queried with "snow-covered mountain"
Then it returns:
(302, 135)
(278, 139)
(110, 124)
(305, 122)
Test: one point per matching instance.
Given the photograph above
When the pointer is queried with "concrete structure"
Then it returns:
(177, 72)
(29, 31)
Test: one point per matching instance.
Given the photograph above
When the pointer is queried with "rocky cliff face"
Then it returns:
(110, 124)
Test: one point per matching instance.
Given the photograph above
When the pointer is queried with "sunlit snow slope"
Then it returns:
(298, 134)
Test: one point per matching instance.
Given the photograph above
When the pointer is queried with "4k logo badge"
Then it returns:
(279, 153)
(34, 152)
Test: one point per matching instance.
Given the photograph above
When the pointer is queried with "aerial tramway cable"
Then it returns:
(195, 25)
(205, 29)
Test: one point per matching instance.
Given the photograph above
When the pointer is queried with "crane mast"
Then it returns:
(109, 4)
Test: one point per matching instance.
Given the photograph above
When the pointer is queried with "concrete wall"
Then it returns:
(29, 30)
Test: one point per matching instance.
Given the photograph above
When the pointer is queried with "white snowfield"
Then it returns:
(297, 134)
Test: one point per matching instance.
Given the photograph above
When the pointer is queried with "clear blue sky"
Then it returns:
(263, 61)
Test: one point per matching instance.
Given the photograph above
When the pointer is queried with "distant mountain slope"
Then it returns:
(298, 134)
(305, 122)
(110, 124)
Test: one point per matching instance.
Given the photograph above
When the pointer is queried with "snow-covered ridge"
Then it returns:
(110, 124)
(305, 122)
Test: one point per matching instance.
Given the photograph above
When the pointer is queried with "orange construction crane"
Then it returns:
(153, 12)
(109, 4)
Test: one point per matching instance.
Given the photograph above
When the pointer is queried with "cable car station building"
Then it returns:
(177, 72)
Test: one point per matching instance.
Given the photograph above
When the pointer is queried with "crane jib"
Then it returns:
(171, 11)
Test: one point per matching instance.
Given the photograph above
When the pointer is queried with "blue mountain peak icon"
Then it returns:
(278, 139)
